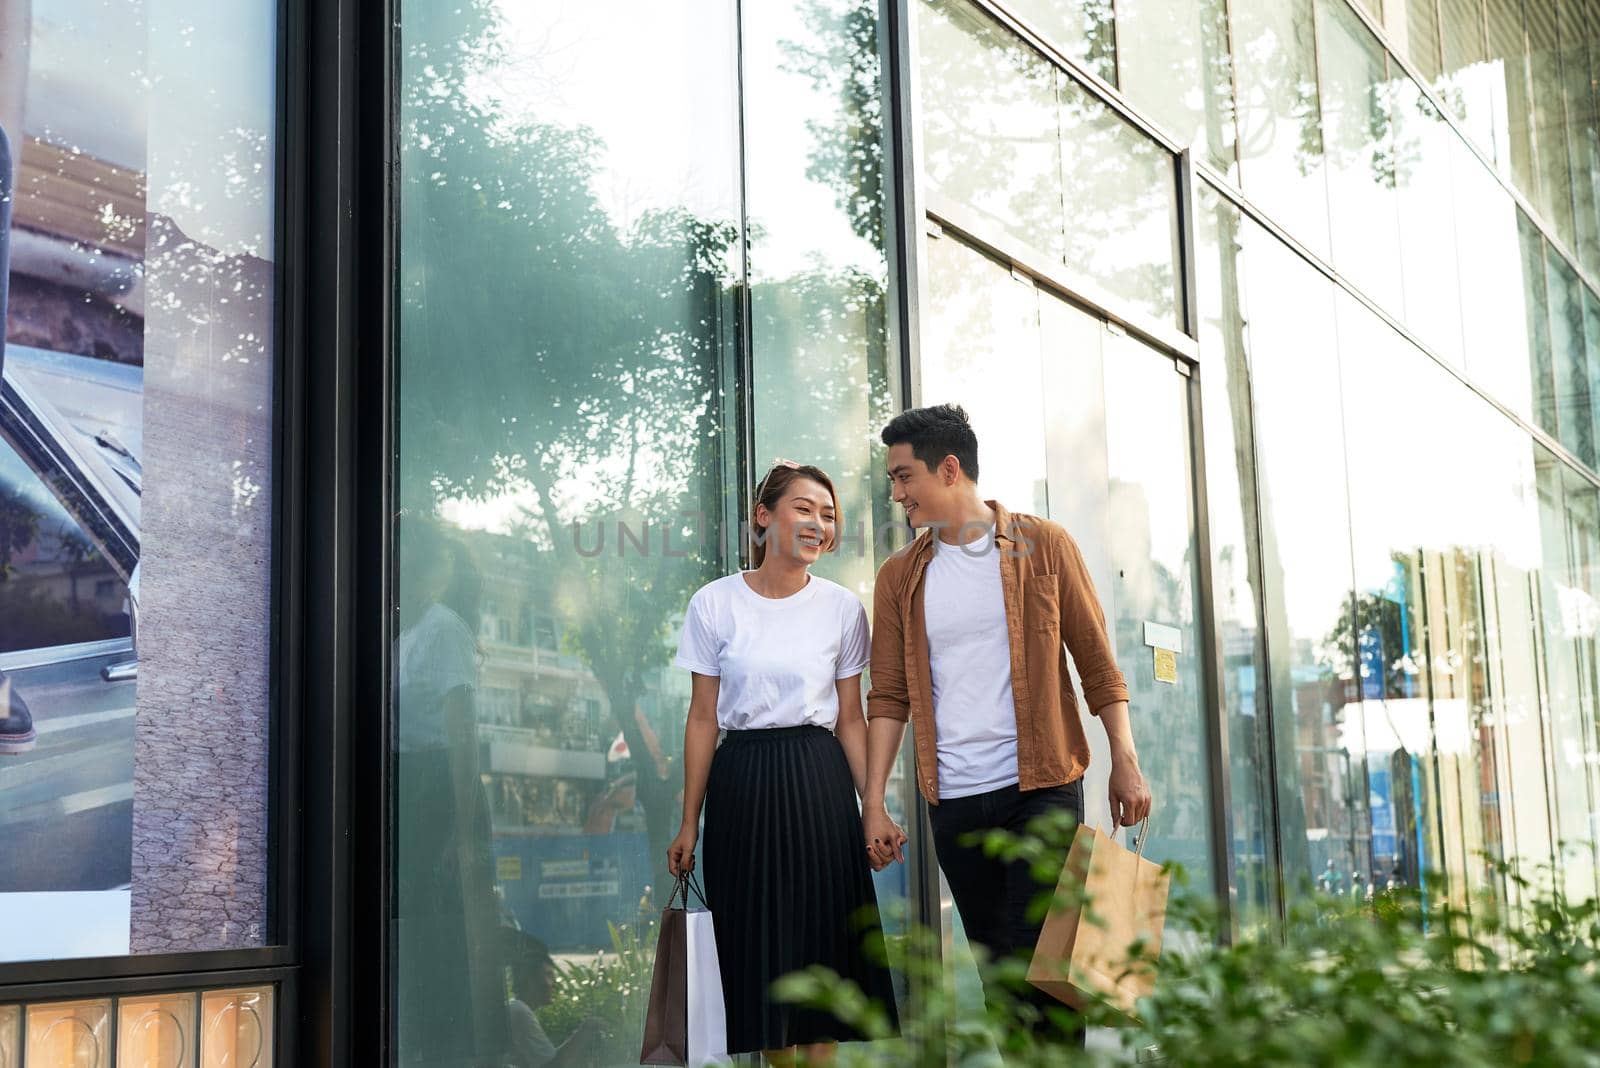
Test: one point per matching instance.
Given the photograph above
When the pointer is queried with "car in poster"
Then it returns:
(70, 482)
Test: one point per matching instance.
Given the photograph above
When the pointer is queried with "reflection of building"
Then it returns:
(544, 722)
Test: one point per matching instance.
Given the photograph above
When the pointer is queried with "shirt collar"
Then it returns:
(922, 547)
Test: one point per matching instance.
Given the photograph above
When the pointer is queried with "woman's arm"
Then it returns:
(699, 743)
(851, 730)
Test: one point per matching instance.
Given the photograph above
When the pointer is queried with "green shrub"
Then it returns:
(1391, 982)
(614, 987)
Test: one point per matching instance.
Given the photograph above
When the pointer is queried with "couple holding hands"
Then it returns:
(967, 646)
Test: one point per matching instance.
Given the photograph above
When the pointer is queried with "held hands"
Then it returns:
(885, 840)
(680, 854)
(1128, 792)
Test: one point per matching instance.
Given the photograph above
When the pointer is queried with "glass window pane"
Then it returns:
(1583, 130)
(1512, 99)
(1121, 205)
(158, 1030)
(1356, 123)
(1150, 535)
(76, 1033)
(1467, 84)
(560, 469)
(1423, 144)
(1511, 579)
(1421, 22)
(1567, 748)
(1280, 125)
(990, 123)
(1554, 192)
(236, 1027)
(1084, 30)
(1307, 577)
(1571, 365)
(1565, 771)
(1235, 563)
(1074, 182)
(819, 277)
(1537, 302)
(1591, 337)
(980, 317)
(1493, 297)
(1579, 614)
(1174, 64)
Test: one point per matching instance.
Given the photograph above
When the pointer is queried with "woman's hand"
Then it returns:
(885, 839)
(680, 854)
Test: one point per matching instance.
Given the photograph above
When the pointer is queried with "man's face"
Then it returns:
(927, 496)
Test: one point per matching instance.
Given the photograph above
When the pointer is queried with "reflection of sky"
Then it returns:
(664, 100)
(662, 96)
(86, 87)
(213, 77)
(182, 89)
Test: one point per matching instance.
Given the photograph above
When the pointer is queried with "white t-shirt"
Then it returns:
(435, 655)
(778, 658)
(969, 655)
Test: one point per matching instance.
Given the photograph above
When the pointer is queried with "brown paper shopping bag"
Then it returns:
(684, 1021)
(1085, 952)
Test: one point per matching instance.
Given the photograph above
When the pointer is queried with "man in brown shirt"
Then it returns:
(968, 629)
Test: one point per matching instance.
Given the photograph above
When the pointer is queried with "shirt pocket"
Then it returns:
(1041, 606)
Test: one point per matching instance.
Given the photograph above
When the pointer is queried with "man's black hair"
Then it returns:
(934, 433)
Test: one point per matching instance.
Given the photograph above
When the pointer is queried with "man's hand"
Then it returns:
(1128, 793)
(885, 840)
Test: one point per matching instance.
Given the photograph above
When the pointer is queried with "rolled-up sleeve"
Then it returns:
(887, 695)
(1083, 625)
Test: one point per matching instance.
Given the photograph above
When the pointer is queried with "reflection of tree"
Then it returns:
(1376, 620)
(553, 353)
(1009, 135)
(840, 59)
(19, 525)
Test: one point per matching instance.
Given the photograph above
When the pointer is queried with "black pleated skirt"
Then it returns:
(788, 883)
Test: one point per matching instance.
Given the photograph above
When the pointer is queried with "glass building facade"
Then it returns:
(489, 332)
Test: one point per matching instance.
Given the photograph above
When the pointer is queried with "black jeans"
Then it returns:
(993, 895)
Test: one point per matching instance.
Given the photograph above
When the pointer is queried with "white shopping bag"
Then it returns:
(685, 1022)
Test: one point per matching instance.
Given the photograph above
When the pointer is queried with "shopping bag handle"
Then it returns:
(1143, 828)
(686, 882)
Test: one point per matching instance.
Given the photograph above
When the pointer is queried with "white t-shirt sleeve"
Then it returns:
(855, 646)
(448, 653)
(698, 644)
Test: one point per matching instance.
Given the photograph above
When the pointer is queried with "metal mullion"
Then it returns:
(1211, 653)
(137, 985)
(1233, 88)
(21, 975)
(745, 387)
(910, 252)
(1267, 727)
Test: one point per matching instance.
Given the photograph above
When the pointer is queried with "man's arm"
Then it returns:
(1105, 690)
(888, 708)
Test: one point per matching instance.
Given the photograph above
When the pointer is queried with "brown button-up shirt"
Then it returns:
(1049, 598)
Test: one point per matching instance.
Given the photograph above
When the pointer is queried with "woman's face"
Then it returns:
(802, 526)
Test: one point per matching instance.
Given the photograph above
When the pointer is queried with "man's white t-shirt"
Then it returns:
(778, 657)
(969, 654)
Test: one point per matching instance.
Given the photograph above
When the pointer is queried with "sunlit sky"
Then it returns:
(172, 87)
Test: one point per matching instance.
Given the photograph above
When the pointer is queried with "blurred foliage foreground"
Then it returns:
(1501, 979)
